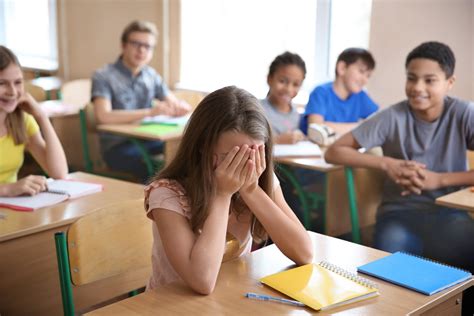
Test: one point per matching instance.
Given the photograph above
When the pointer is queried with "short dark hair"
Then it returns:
(436, 51)
(286, 59)
(139, 26)
(353, 54)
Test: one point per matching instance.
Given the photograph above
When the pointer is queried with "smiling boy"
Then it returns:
(341, 104)
(424, 140)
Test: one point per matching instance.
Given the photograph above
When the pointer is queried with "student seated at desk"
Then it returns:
(424, 140)
(23, 125)
(341, 104)
(285, 77)
(221, 184)
(128, 91)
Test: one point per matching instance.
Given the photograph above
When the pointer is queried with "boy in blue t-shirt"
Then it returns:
(342, 103)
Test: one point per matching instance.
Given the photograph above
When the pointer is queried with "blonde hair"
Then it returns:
(14, 121)
(227, 109)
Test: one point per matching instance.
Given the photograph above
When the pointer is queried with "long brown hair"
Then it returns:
(226, 109)
(14, 121)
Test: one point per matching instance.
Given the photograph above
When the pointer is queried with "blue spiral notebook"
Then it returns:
(416, 273)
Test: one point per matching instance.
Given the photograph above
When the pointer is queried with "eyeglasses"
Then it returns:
(138, 45)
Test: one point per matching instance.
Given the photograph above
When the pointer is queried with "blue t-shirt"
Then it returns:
(325, 102)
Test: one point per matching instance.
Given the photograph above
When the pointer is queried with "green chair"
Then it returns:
(87, 123)
(112, 242)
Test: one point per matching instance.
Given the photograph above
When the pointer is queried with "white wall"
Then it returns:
(398, 26)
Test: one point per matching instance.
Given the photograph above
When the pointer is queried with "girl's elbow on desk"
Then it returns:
(204, 287)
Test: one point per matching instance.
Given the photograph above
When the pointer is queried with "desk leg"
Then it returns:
(352, 205)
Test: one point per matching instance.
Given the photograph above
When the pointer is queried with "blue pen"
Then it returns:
(264, 297)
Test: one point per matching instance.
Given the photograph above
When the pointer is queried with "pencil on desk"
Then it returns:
(264, 297)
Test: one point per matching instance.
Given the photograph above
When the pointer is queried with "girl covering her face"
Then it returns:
(220, 186)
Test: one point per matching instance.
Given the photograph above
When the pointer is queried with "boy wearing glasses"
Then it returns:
(129, 90)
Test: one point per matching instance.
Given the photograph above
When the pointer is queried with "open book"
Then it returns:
(166, 120)
(300, 149)
(58, 191)
(321, 286)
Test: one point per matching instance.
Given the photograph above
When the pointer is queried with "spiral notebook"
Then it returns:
(321, 286)
(58, 191)
(416, 273)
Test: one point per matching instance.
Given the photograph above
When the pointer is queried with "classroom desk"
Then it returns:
(240, 276)
(462, 199)
(29, 280)
(306, 198)
(319, 164)
(52, 85)
(130, 131)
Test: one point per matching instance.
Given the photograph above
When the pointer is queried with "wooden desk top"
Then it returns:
(240, 276)
(462, 199)
(15, 224)
(311, 163)
(130, 130)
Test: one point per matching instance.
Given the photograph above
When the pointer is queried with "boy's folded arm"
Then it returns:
(345, 152)
(447, 179)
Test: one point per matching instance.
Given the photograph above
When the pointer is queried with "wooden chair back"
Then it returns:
(38, 93)
(112, 241)
(470, 159)
(77, 92)
(190, 96)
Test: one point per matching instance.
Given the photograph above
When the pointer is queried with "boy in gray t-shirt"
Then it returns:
(424, 140)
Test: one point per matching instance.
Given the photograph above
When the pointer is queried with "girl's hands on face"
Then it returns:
(256, 166)
(230, 173)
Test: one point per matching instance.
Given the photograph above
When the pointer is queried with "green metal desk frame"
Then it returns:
(308, 200)
(352, 205)
(311, 200)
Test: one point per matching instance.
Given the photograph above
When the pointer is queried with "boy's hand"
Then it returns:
(408, 174)
(230, 174)
(256, 166)
(430, 181)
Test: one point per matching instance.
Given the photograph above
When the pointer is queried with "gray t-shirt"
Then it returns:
(279, 121)
(116, 83)
(441, 145)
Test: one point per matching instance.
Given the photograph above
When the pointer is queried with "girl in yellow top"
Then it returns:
(23, 125)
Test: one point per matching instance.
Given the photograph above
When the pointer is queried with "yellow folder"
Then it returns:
(321, 286)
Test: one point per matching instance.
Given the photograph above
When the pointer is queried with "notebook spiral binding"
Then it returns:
(434, 261)
(349, 275)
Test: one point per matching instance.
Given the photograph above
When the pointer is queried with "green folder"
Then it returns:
(159, 129)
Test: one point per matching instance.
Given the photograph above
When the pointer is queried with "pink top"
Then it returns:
(170, 195)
